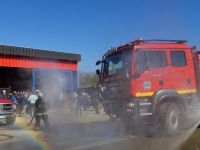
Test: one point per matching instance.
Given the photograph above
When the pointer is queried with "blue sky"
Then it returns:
(90, 27)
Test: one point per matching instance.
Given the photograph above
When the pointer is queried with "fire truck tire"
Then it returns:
(171, 118)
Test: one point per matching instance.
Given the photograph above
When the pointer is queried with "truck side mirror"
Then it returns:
(126, 69)
(98, 62)
(98, 72)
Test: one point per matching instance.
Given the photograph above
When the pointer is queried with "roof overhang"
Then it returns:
(38, 53)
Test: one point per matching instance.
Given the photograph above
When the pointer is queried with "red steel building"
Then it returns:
(29, 69)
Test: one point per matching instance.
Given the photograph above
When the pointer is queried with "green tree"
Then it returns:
(88, 79)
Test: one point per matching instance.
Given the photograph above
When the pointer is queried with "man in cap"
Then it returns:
(40, 111)
(4, 94)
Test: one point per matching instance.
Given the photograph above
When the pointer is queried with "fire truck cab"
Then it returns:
(149, 79)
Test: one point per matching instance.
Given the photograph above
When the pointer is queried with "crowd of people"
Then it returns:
(24, 100)
(79, 101)
(31, 104)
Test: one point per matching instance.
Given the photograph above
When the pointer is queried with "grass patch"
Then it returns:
(193, 142)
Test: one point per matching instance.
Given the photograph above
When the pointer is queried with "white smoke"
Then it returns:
(55, 87)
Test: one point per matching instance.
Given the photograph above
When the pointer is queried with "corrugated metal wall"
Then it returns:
(48, 74)
(38, 53)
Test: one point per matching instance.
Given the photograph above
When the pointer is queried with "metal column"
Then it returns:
(33, 79)
(75, 80)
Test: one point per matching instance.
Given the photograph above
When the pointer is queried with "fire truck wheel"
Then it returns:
(171, 118)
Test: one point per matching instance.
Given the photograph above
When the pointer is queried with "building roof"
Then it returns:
(38, 53)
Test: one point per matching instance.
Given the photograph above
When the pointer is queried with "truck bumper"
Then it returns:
(140, 107)
(7, 118)
(141, 112)
(132, 107)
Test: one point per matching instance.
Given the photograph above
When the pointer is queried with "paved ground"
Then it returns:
(90, 131)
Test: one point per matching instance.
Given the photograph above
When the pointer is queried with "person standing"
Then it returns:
(85, 100)
(40, 111)
(96, 102)
(74, 100)
(4, 94)
(19, 103)
(79, 104)
(31, 100)
(23, 103)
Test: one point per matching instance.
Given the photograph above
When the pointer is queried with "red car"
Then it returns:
(7, 111)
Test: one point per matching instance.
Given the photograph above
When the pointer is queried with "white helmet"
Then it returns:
(39, 93)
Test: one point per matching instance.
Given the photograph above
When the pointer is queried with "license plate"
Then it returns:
(2, 117)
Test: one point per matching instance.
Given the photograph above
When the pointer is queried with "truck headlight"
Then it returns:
(130, 105)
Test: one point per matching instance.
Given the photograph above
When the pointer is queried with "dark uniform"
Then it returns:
(40, 113)
(80, 103)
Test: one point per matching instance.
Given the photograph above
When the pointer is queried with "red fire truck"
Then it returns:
(152, 80)
(7, 109)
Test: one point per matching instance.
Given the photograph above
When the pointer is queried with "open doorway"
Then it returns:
(16, 78)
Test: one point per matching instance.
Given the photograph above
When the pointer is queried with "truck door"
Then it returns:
(182, 71)
(152, 65)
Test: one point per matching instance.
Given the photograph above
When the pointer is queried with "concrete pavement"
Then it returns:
(89, 131)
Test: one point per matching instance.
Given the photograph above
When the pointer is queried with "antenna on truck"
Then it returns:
(141, 40)
(164, 41)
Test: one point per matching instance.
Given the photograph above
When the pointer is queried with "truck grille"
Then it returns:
(7, 107)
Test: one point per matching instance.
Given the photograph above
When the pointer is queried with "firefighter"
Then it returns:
(40, 112)
(96, 102)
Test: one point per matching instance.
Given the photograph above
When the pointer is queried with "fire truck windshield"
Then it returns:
(118, 64)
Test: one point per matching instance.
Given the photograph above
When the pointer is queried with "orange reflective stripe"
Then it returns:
(143, 94)
(186, 91)
(40, 114)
